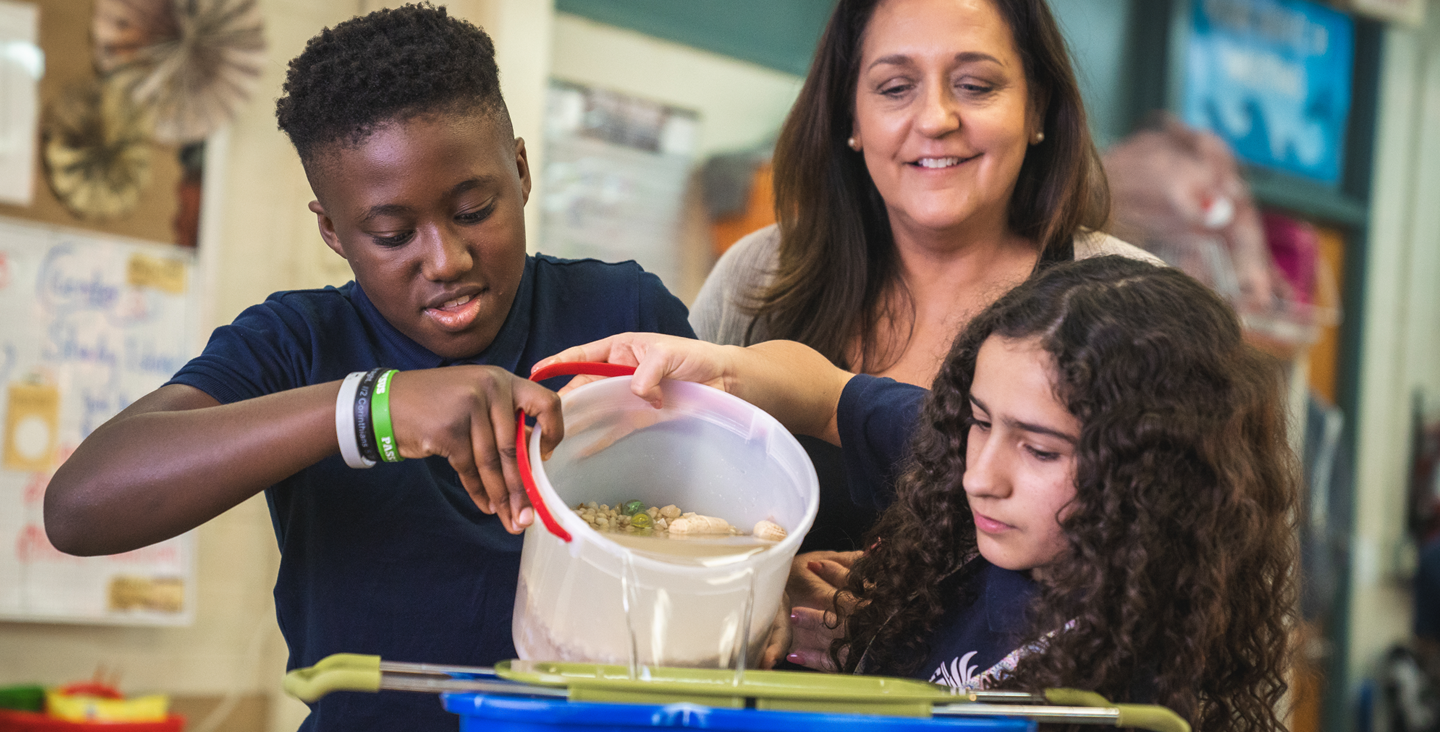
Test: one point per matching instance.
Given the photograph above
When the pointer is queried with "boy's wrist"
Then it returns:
(364, 428)
(345, 425)
(380, 416)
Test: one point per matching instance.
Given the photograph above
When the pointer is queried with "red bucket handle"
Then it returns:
(522, 450)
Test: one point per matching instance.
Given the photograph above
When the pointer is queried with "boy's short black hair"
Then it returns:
(390, 64)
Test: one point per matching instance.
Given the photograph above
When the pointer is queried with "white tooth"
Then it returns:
(938, 162)
(456, 301)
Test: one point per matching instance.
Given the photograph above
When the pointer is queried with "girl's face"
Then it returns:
(942, 112)
(1020, 460)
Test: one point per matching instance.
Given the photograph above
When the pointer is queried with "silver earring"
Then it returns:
(1039, 137)
(853, 143)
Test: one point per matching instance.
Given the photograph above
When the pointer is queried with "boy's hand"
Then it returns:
(466, 414)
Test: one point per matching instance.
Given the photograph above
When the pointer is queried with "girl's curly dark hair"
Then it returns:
(391, 64)
(1178, 583)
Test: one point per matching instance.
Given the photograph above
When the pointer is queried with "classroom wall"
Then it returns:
(741, 107)
(1400, 348)
(741, 104)
(257, 237)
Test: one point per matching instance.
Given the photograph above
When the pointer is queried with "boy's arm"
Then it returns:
(791, 381)
(177, 458)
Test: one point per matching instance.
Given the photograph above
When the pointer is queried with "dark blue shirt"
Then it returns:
(984, 623)
(876, 419)
(397, 561)
(1427, 593)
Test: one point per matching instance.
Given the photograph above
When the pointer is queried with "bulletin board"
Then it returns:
(92, 323)
(616, 170)
(64, 60)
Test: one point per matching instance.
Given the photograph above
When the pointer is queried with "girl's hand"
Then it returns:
(813, 631)
(815, 578)
(466, 414)
(777, 644)
(791, 381)
(655, 357)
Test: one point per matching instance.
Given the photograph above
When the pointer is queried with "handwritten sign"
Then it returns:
(1272, 77)
(88, 324)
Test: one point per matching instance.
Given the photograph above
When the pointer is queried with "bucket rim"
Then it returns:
(577, 527)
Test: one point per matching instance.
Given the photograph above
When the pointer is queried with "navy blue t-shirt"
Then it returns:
(876, 419)
(983, 624)
(396, 560)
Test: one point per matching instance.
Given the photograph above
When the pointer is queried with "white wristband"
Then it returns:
(345, 422)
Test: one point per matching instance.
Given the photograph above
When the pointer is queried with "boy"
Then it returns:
(420, 185)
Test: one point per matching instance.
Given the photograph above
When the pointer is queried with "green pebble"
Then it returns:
(641, 520)
(633, 507)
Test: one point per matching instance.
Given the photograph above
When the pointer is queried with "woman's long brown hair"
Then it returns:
(1177, 586)
(837, 267)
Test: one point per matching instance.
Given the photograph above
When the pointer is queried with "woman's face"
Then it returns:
(942, 113)
(1020, 456)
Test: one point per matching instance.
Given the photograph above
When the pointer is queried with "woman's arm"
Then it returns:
(177, 458)
(791, 381)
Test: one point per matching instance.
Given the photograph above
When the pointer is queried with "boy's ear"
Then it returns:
(522, 166)
(327, 228)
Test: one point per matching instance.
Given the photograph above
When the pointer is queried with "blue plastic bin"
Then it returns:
(482, 713)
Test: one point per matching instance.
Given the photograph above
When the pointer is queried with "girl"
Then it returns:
(1098, 494)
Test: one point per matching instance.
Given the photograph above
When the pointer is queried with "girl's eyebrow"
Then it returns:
(1027, 426)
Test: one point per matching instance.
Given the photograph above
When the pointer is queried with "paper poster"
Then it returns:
(1272, 77)
(21, 66)
(616, 168)
(91, 323)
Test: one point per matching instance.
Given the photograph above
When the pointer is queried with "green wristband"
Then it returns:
(380, 417)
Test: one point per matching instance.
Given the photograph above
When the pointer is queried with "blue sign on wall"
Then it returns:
(1272, 77)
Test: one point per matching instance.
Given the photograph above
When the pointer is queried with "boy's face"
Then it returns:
(429, 212)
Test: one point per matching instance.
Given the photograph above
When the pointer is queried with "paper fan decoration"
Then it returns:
(97, 149)
(121, 29)
(196, 68)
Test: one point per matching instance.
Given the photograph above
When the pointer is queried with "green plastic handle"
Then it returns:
(1157, 719)
(337, 672)
(1076, 698)
(1139, 716)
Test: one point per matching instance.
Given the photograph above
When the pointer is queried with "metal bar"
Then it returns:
(1005, 697)
(432, 669)
(1061, 715)
(436, 684)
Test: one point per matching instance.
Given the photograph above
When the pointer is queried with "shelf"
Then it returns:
(1310, 200)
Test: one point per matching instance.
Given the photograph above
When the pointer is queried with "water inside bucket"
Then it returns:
(700, 551)
(645, 601)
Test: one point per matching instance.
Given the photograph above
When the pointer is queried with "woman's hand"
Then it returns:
(466, 414)
(791, 381)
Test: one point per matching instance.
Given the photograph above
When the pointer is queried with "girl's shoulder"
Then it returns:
(1091, 243)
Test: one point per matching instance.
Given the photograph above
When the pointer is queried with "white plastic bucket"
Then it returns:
(590, 599)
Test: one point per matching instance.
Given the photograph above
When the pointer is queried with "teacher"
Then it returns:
(937, 155)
